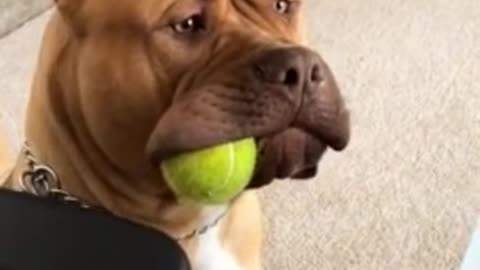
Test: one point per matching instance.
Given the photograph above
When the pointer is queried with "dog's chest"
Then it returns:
(211, 254)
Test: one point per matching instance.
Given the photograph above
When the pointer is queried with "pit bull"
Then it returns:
(122, 85)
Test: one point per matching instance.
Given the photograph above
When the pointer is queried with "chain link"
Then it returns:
(204, 229)
(42, 181)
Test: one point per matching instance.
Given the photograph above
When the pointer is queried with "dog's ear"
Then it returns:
(71, 12)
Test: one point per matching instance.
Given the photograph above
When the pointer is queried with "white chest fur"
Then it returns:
(211, 255)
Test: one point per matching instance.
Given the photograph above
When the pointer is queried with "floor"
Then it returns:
(406, 194)
(13, 13)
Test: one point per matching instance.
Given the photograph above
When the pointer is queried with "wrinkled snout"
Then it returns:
(275, 91)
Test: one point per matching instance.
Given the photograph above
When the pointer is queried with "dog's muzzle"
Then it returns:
(286, 98)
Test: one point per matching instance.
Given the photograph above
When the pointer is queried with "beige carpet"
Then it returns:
(406, 194)
(14, 13)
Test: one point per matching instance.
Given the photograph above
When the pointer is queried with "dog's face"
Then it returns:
(154, 78)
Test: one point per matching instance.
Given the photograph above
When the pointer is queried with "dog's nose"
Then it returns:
(292, 69)
(302, 77)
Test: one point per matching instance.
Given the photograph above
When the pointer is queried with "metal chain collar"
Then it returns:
(203, 229)
(40, 180)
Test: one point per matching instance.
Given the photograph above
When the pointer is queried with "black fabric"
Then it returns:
(40, 234)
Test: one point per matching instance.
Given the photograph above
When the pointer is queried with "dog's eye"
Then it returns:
(191, 24)
(282, 6)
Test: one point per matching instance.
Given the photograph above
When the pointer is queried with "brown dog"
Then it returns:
(122, 85)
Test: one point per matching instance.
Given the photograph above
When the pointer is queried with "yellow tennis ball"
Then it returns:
(213, 175)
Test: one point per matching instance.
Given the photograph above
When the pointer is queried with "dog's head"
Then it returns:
(154, 78)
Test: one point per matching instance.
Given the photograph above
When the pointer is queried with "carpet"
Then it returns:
(14, 13)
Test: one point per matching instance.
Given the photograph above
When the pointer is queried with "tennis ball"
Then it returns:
(213, 175)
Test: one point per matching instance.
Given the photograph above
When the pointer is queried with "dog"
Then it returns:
(121, 85)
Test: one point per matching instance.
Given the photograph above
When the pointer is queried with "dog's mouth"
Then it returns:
(291, 136)
(293, 154)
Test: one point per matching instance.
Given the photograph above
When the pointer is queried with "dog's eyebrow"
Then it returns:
(248, 4)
